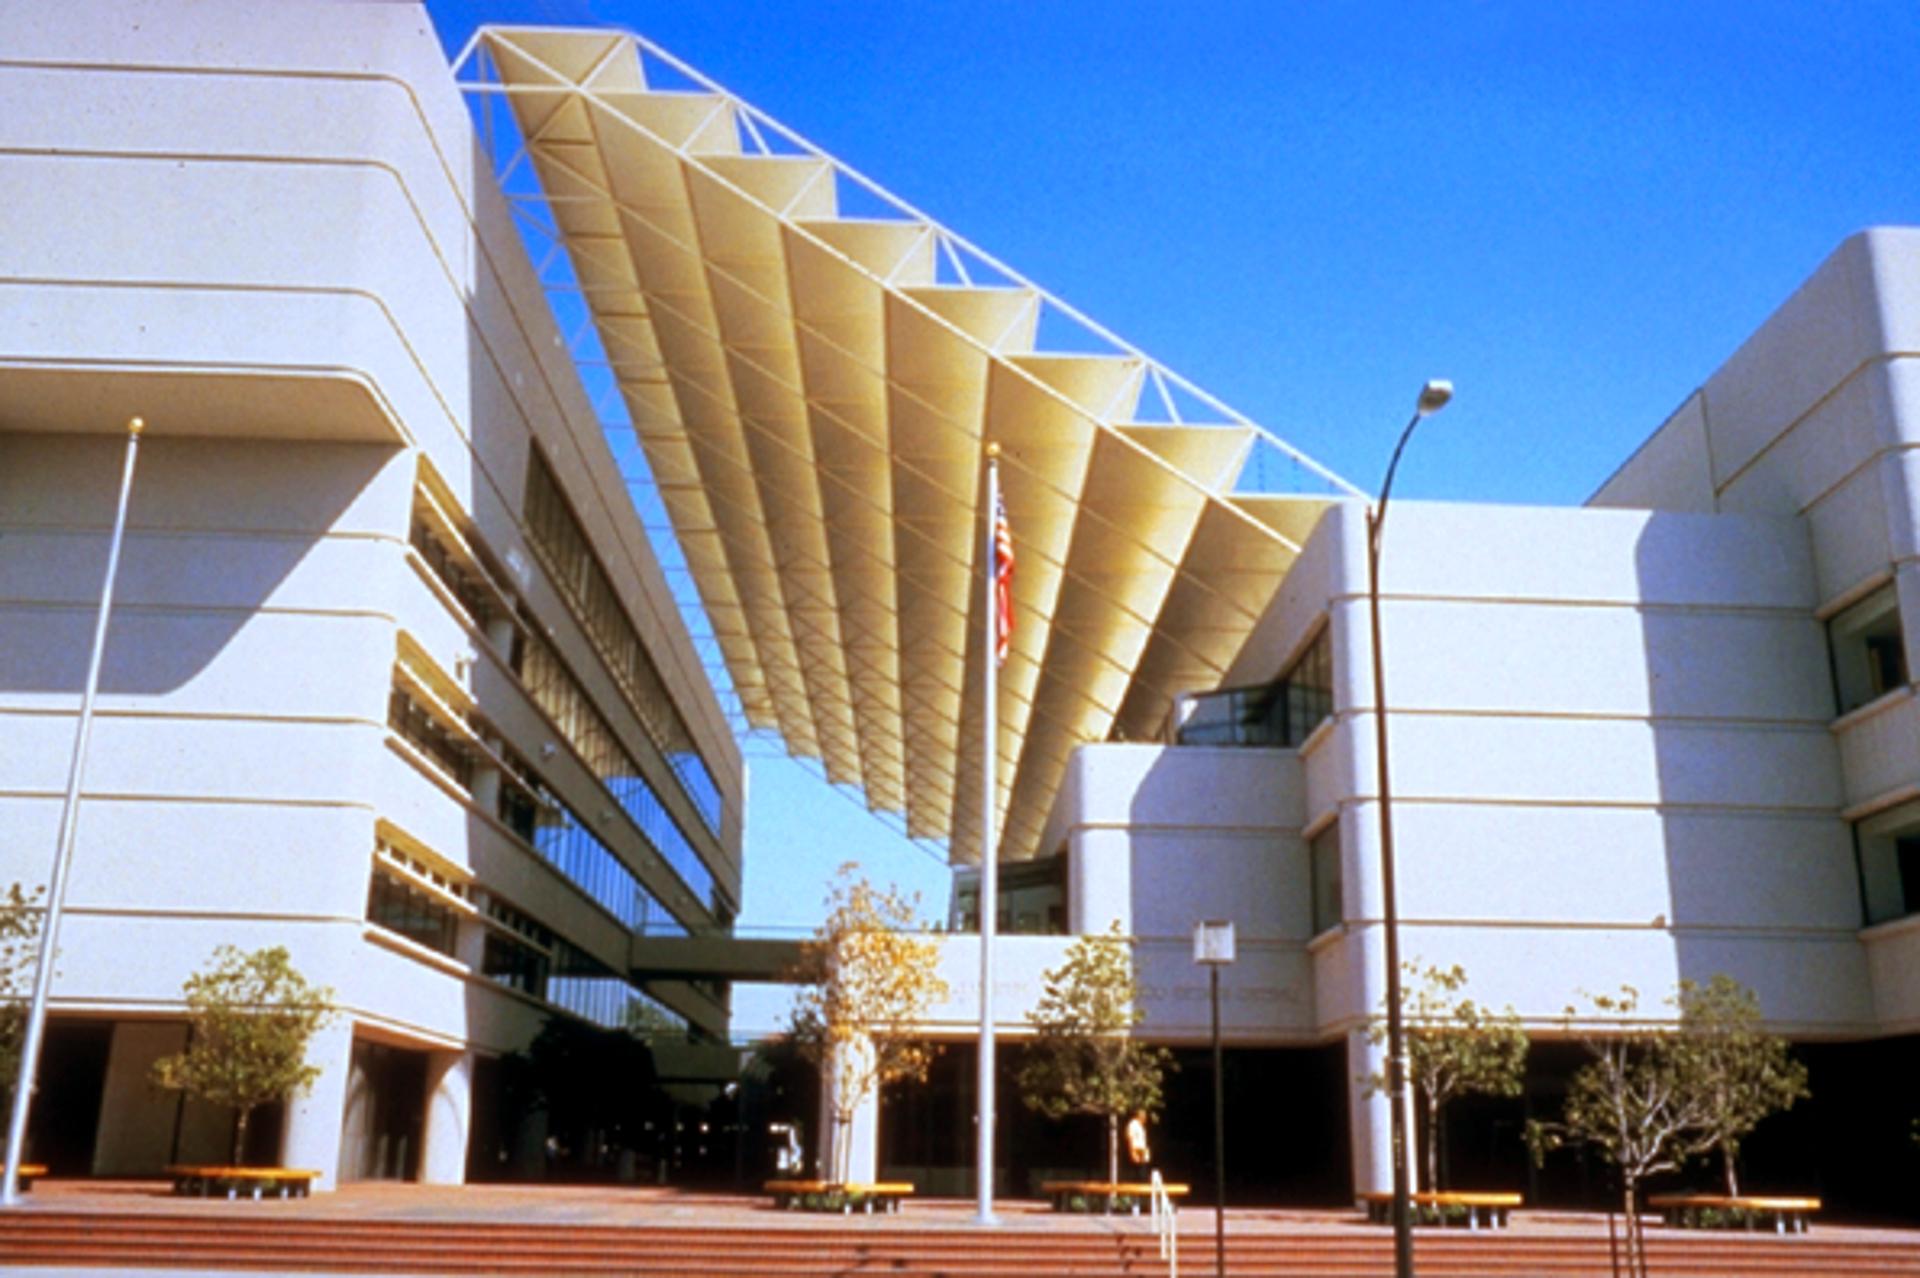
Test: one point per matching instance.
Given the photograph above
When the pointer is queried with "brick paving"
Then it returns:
(629, 1206)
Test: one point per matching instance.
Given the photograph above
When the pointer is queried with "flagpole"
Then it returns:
(57, 882)
(989, 862)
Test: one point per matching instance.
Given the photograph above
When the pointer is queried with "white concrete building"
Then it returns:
(394, 679)
(1667, 735)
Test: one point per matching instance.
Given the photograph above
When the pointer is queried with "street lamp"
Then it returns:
(1213, 949)
(1433, 397)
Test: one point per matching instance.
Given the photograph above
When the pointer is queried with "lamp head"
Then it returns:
(1433, 397)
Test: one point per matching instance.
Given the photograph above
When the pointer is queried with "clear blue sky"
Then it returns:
(1576, 212)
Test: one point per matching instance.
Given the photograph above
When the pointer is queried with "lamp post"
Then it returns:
(1433, 397)
(1213, 949)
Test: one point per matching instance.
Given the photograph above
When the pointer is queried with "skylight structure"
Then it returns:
(812, 369)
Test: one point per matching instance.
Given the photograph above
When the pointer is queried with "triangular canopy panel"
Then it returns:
(814, 391)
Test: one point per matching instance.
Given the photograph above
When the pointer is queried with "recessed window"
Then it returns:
(1889, 845)
(1281, 713)
(1323, 853)
(421, 729)
(402, 907)
(1869, 649)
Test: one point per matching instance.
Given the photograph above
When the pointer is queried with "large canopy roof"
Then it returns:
(812, 370)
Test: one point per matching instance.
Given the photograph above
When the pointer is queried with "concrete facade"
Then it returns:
(382, 567)
(1632, 744)
(267, 229)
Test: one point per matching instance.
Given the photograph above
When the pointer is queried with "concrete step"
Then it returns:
(891, 1246)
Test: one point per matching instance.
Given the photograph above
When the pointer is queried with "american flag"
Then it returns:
(1002, 580)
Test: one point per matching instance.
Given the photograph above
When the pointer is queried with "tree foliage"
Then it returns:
(1743, 1073)
(1654, 1097)
(20, 915)
(1083, 1058)
(1455, 1047)
(867, 984)
(251, 1017)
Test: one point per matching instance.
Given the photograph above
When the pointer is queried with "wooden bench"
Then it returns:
(1434, 1206)
(201, 1181)
(29, 1172)
(841, 1196)
(1787, 1215)
(1113, 1196)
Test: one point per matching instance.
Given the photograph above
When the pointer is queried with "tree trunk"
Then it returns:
(240, 1135)
(842, 1148)
(1733, 1176)
(1636, 1247)
(1433, 1145)
(1113, 1149)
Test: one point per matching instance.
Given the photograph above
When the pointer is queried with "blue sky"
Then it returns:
(1576, 212)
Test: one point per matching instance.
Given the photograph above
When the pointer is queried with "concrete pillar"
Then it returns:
(500, 633)
(1369, 1126)
(485, 788)
(443, 1144)
(312, 1134)
(137, 1120)
(1099, 882)
(862, 1135)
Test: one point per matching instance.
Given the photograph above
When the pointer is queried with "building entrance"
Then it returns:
(385, 1114)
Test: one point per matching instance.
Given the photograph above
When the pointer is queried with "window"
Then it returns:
(565, 841)
(556, 691)
(1324, 868)
(1888, 845)
(562, 546)
(420, 729)
(1033, 898)
(523, 954)
(1869, 649)
(400, 906)
(461, 583)
(1281, 713)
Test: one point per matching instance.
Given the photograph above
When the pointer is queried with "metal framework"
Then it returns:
(807, 369)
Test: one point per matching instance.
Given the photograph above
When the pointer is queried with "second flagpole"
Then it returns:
(989, 876)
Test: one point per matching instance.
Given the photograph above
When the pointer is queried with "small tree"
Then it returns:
(251, 1016)
(1083, 1058)
(1455, 1047)
(20, 915)
(1636, 1102)
(1743, 1073)
(867, 986)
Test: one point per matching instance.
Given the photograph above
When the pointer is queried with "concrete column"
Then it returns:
(136, 1119)
(1369, 1125)
(500, 632)
(443, 1144)
(311, 1138)
(1099, 881)
(486, 788)
(862, 1135)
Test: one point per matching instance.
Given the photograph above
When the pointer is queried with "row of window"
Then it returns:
(474, 598)
(555, 691)
(590, 990)
(1281, 713)
(418, 915)
(558, 539)
(424, 731)
(532, 960)
(531, 810)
